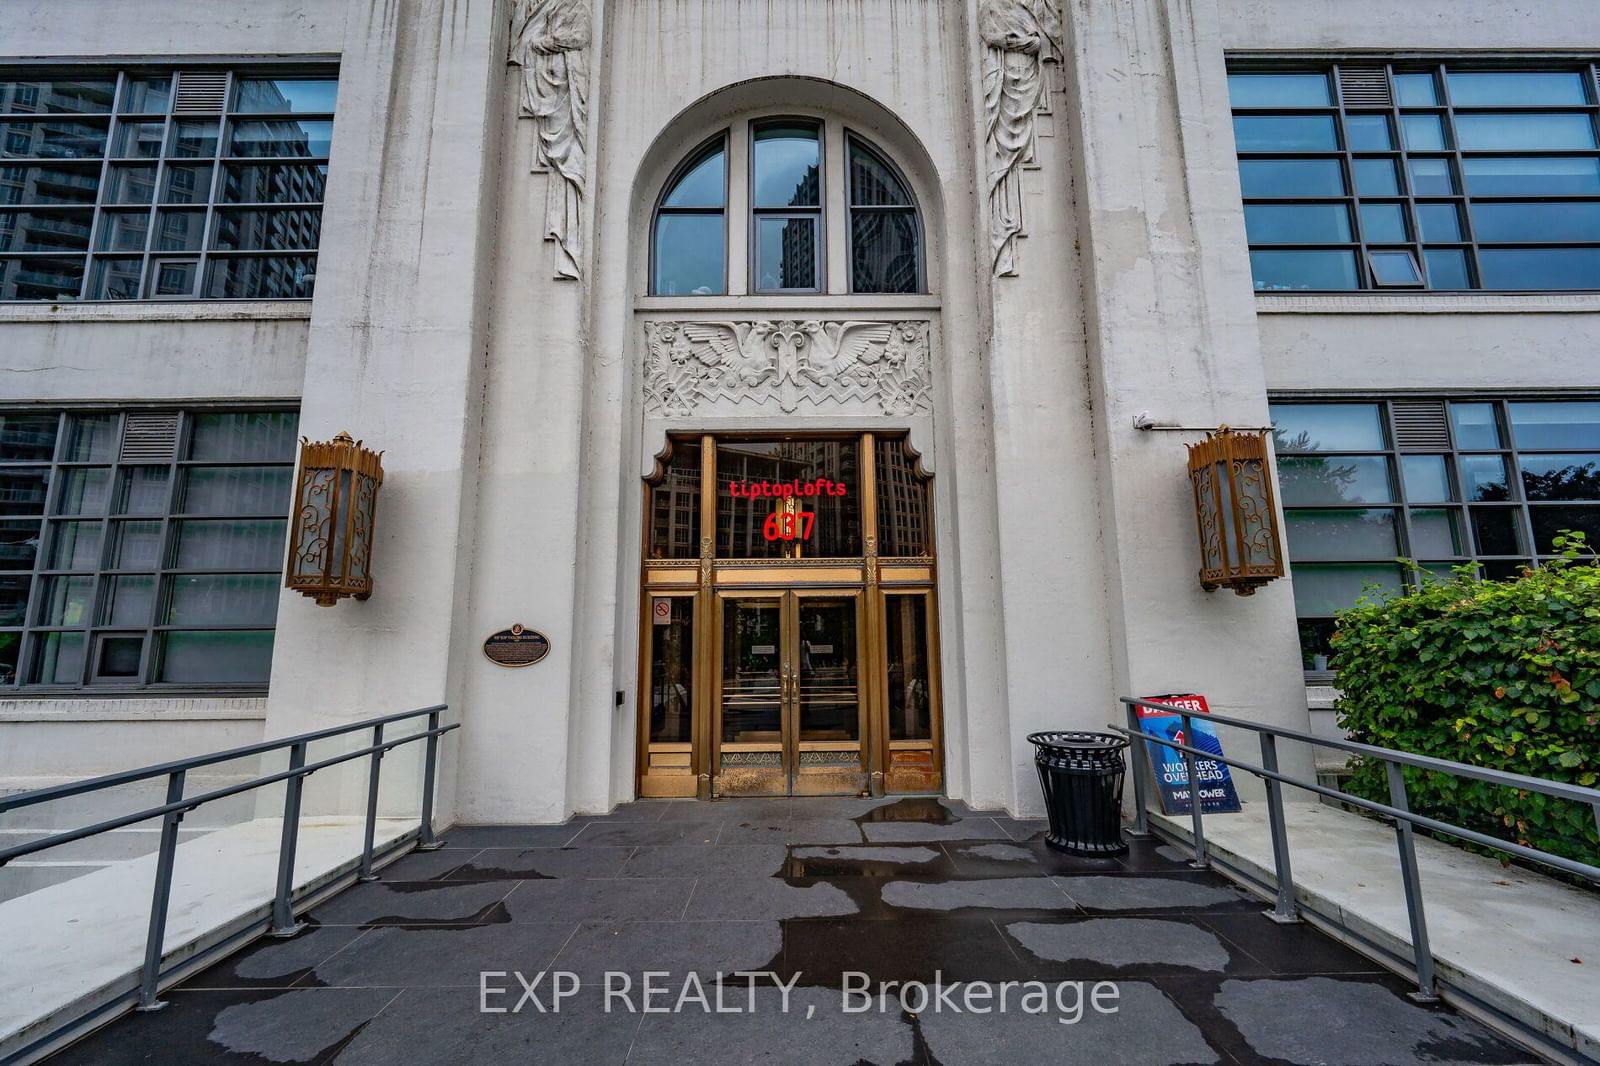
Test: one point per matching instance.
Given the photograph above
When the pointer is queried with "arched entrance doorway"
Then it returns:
(789, 629)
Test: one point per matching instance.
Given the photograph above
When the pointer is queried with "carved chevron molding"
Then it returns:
(697, 368)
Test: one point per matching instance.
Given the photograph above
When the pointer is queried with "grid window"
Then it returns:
(1439, 482)
(162, 185)
(141, 548)
(1400, 176)
(785, 186)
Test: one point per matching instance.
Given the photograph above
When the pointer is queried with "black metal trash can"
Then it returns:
(1081, 774)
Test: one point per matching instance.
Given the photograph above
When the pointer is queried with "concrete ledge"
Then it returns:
(74, 950)
(157, 311)
(1505, 940)
(1389, 303)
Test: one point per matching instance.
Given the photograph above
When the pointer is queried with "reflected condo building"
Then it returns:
(814, 376)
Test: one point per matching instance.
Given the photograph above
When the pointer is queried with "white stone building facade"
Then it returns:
(526, 290)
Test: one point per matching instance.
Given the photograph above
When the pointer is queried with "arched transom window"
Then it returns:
(786, 205)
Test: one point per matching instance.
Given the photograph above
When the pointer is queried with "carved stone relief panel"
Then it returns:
(742, 366)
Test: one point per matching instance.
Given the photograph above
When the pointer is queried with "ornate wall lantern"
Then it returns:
(335, 512)
(1239, 544)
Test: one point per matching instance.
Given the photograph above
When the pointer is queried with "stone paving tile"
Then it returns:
(1095, 892)
(1010, 858)
(1286, 949)
(764, 898)
(215, 1026)
(426, 865)
(445, 1026)
(1023, 828)
(804, 1028)
(403, 902)
(726, 860)
(435, 957)
(738, 808)
(501, 864)
(1147, 1029)
(1086, 948)
(919, 832)
(868, 860)
(616, 899)
(791, 832)
(821, 952)
(273, 963)
(679, 948)
(989, 895)
(1353, 1022)
(637, 834)
(637, 811)
(510, 836)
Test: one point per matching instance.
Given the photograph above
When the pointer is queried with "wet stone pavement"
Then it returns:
(815, 895)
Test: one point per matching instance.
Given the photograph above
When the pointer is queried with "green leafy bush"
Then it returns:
(1500, 674)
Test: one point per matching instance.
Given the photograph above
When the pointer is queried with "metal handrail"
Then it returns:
(1398, 808)
(177, 805)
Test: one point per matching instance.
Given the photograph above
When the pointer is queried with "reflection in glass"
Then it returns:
(193, 139)
(1495, 532)
(1394, 268)
(752, 707)
(675, 505)
(1291, 177)
(1325, 588)
(907, 650)
(1383, 223)
(273, 183)
(1536, 222)
(136, 545)
(283, 95)
(1327, 427)
(115, 279)
(1431, 177)
(84, 490)
(239, 543)
(785, 166)
(1533, 176)
(1368, 133)
(1426, 479)
(1556, 424)
(236, 490)
(823, 479)
(14, 599)
(1515, 88)
(260, 278)
(58, 659)
(92, 438)
(703, 183)
(1376, 177)
(1341, 534)
(179, 231)
(1423, 133)
(222, 599)
(884, 255)
(1278, 90)
(1415, 90)
(75, 545)
(1439, 222)
(130, 185)
(1561, 477)
(295, 138)
(119, 657)
(243, 435)
(142, 490)
(1447, 268)
(22, 492)
(27, 437)
(217, 658)
(123, 231)
(786, 253)
(1540, 268)
(1285, 133)
(128, 600)
(1434, 533)
(689, 251)
(138, 140)
(147, 96)
(1297, 223)
(19, 544)
(902, 503)
(1310, 481)
(829, 692)
(65, 601)
(672, 674)
(1476, 426)
(1288, 271)
(1550, 521)
(1524, 132)
(1483, 478)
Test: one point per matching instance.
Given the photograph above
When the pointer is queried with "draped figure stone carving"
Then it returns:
(551, 43)
(1019, 37)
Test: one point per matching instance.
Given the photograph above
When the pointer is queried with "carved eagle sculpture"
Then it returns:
(739, 347)
(836, 347)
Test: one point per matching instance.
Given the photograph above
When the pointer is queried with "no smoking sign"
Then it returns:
(661, 610)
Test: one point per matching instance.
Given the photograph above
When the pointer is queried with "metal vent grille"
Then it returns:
(200, 92)
(1419, 425)
(149, 438)
(1365, 87)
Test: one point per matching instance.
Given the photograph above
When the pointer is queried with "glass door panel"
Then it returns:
(754, 682)
(911, 694)
(827, 696)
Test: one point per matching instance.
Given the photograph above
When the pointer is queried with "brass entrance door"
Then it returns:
(790, 715)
